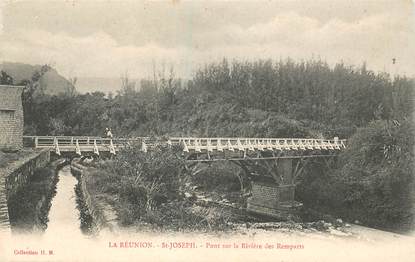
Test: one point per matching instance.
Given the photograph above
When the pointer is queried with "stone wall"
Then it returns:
(19, 176)
(11, 117)
(103, 215)
(265, 194)
(4, 210)
(272, 199)
(271, 195)
(14, 176)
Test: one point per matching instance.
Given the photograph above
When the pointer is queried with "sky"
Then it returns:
(108, 38)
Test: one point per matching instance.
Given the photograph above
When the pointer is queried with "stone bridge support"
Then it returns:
(274, 196)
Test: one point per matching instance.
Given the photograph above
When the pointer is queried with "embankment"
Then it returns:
(102, 216)
(23, 183)
(15, 175)
(29, 206)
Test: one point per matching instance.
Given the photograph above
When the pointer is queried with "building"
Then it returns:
(11, 117)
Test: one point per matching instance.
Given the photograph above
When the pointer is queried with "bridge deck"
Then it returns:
(235, 146)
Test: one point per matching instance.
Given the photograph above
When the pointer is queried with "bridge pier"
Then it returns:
(274, 196)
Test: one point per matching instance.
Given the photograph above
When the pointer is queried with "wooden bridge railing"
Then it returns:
(194, 144)
(242, 144)
(48, 141)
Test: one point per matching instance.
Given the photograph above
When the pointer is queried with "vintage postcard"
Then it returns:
(207, 130)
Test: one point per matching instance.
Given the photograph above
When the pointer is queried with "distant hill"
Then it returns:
(52, 83)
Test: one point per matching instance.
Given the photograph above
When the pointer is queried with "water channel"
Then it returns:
(64, 215)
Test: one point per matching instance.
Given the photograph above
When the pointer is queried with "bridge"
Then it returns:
(197, 148)
(272, 165)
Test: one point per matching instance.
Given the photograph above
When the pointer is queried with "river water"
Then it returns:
(64, 214)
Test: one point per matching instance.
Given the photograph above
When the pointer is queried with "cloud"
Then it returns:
(375, 39)
(95, 55)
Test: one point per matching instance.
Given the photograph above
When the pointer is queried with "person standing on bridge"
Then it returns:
(106, 132)
(109, 133)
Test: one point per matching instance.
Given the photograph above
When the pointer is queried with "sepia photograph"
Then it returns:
(207, 130)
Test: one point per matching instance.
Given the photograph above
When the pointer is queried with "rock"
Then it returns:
(338, 232)
(187, 195)
(88, 160)
(338, 222)
(319, 225)
(327, 225)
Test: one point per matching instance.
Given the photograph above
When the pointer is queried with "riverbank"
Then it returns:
(208, 213)
(15, 170)
(163, 205)
(30, 205)
(96, 212)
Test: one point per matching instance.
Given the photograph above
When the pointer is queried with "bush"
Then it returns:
(147, 190)
(373, 181)
(142, 181)
(377, 173)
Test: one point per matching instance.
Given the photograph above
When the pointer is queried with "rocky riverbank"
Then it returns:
(30, 205)
(96, 213)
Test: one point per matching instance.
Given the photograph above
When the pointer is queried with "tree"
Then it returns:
(376, 172)
(5, 79)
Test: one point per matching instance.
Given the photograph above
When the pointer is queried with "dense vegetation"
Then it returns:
(372, 181)
(148, 189)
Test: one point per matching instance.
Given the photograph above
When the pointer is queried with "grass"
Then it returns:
(172, 214)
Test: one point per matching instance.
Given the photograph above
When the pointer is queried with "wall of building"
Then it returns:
(11, 117)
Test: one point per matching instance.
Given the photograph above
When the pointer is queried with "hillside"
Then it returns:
(51, 83)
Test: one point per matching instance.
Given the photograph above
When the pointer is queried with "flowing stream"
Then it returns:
(64, 214)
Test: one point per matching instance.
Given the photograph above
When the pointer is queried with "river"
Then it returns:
(63, 240)
(64, 214)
